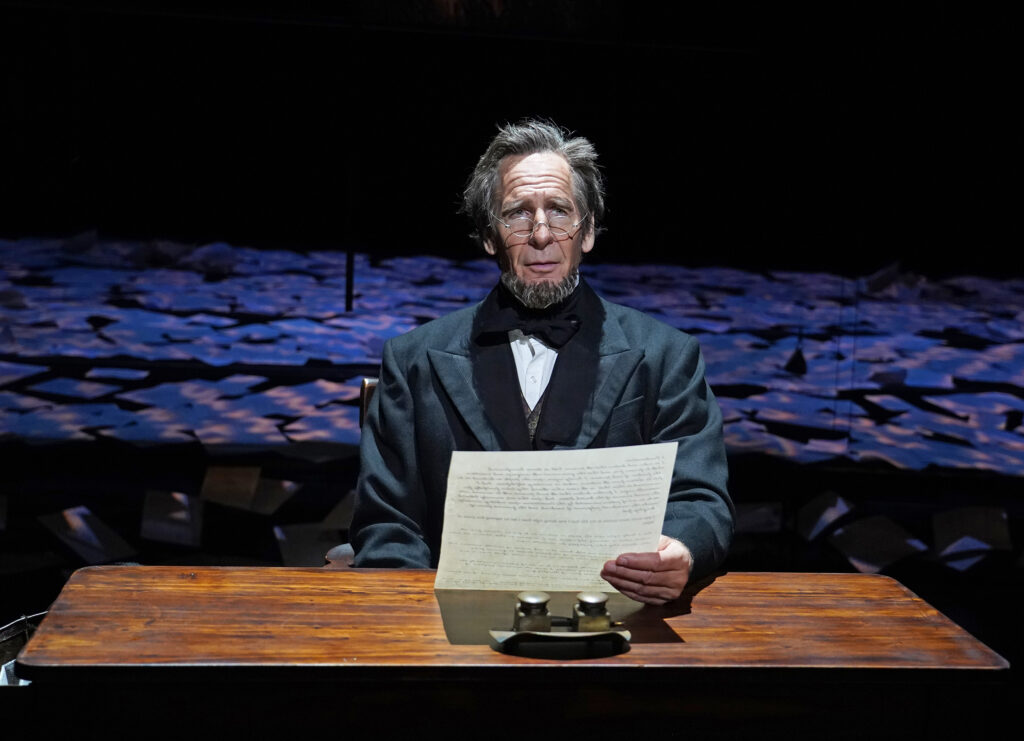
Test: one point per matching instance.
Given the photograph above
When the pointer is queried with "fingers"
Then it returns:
(670, 556)
(645, 585)
(654, 578)
(643, 561)
(653, 592)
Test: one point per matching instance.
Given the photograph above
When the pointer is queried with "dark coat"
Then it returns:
(642, 382)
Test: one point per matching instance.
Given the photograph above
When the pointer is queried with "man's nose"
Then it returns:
(541, 236)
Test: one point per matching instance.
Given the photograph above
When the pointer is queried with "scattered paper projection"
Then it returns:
(810, 367)
(874, 543)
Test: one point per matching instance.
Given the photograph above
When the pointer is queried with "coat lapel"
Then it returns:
(497, 384)
(613, 372)
(590, 375)
(455, 372)
(572, 415)
(480, 380)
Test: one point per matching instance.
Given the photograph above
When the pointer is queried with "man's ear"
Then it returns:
(489, 247)
(588, 241)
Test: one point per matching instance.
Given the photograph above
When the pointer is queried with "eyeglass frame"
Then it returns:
(537, 224)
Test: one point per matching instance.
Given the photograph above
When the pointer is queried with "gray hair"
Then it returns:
(530, 136)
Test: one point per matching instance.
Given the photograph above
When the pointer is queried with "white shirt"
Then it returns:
(534, 363)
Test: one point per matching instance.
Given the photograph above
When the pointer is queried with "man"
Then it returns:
(541, 363)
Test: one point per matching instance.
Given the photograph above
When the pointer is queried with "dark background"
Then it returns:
(830, 136)
(827, 136)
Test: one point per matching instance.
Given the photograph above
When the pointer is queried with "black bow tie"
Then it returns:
(554, 332)
(555, 325)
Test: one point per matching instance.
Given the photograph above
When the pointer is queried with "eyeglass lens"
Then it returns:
(558, 224)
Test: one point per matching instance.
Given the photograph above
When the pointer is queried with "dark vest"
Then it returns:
(557, 417)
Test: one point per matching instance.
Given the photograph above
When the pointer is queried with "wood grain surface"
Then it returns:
(135, 617)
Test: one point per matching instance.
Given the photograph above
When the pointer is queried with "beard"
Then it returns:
(540, 295)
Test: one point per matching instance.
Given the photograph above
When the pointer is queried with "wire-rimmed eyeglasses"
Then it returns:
(558, 223)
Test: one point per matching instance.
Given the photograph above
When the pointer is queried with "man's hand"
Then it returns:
(654, 578)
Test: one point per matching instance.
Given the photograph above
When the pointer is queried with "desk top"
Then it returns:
(357, 622)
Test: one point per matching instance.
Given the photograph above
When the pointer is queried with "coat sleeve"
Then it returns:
(390, 504)
(700, 512)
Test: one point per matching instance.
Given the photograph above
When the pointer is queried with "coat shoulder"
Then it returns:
(644, 330)
(450, 332)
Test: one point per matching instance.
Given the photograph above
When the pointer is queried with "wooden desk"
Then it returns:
(287, 648)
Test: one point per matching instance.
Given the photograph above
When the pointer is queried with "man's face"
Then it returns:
(538, 185)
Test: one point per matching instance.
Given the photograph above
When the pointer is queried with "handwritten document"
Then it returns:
(550, 519)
